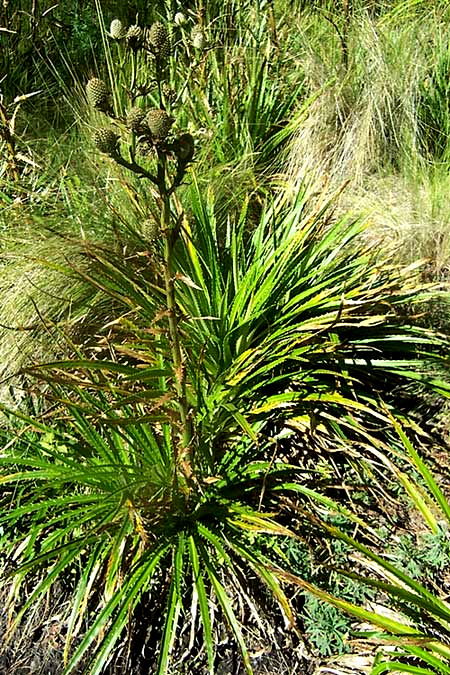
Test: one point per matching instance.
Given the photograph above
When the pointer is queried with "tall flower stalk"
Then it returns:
(169, 230)
(151, 138)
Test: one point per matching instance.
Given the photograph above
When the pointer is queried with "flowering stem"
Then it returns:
(183, 457)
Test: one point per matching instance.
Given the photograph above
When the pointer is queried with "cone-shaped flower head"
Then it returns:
(151, 229)
(105, 140)
(117, 30)
(198, 37)
(97, 93)
(165, 51)
(179, 18)
(158, 36)
(159, 123)
(135, 118)
(168, 92)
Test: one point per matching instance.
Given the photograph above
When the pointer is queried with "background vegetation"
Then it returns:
(225, 403)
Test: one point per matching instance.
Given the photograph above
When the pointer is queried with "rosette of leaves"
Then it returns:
(105, 504)
(287, 330)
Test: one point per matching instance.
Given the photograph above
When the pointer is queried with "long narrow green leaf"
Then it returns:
(122, 601)
(387, 624)
(426, 474)
(170, 627)
(225, 604)
(203, 602)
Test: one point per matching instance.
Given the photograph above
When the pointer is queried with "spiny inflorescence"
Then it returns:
(151, 229)
(135, 118)
(159, 123)
(97, 94)
(198, 36)
(105, 140)
(158, 35)
(117, 30)
(135, 37)
(149, 131)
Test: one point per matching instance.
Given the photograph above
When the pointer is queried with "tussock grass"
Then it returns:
(409, 216)
(40, 304)
(365, 118)
(380, 124)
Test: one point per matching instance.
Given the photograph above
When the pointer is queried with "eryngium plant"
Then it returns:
(282, 340)
(128, 495)
(168, 473)
(161, 157)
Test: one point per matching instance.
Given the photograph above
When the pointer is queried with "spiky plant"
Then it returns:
(198, 37)
(117, 30)
(98, 94)
(158, 38)
(159, 123)
(135, 118)
(135, 37)
(166, 471)
(413, 621)
(106, 140)
(170, 465)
